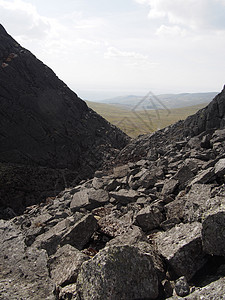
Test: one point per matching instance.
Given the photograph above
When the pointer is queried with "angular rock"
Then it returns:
(98, 197)
(220, 168)
(125, 196)
(181, 246)
(118, 272)
(132, 236)
(65, 264)
(205, 176)
(198, 201)
(213, 232)
(89, 199)
(24, 272)
(69, 231)
(183, 175)
(121, 171)
(80, 199)
(149, 217)
(170, 186)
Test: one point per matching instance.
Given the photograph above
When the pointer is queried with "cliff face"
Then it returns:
(44, 124)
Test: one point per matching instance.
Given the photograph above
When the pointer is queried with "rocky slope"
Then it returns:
(152, 227)
(48, 136)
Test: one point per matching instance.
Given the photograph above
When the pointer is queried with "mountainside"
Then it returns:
(151, 227)
(149, 223)
(43, 125)
(168, 100)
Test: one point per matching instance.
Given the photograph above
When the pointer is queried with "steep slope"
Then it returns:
(204, 122)
(44, 124)
(149, 229)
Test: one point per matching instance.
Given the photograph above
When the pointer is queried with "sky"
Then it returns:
(102, 49)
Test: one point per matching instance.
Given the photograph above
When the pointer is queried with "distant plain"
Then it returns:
(139, 122)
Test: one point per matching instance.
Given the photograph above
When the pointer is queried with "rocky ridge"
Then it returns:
(150, 228)
(49, 138)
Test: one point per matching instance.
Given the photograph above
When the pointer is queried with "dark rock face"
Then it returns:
(44, 124)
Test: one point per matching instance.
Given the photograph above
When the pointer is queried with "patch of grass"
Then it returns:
(141, 122)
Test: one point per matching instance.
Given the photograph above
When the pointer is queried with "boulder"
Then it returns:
(24, 272)
(89, 198)
(65, 264)
(205, 176)
(149, 217)
(121, 171)
(213, 231)
(220, 168)
(118, 272)
(125, 196)
(69, 231)
(170, 186)
(181, 247)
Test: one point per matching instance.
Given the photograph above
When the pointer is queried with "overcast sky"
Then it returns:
(103, 48)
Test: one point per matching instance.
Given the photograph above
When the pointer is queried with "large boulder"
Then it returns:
(118, 272)
(213, 231)
(24, 271)
(181, 247)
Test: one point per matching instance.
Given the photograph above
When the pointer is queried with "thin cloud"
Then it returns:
(24, 19)
(201, 14)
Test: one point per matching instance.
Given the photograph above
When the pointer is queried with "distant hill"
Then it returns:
(168, 100)
(139, 122)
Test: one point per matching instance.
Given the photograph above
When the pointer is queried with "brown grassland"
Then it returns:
(142, 122)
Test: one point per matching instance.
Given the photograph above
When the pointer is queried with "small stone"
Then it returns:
(182, 287)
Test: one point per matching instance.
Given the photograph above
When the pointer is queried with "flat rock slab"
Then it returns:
(118, 272)
(23, 271)
(181, 246)
(89, 199)
(125, 196)
(213, 232)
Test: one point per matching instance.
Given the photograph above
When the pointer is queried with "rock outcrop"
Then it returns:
(150, 227)
(45, 129)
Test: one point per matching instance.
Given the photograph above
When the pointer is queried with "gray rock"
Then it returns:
(183, 175)
(182, 287)
(169, 186)
(181, 246)
(80, 199)
(174, 209)
(98, 197)
(198, 201)
(149, 217)
(65, 264)
(213, 231)
(121, 171)
(132, 236)
(220, 168)
(69, 231)
(125, 196)
(118, 272)
(215, 290)
(205, 176)
(24, 272)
